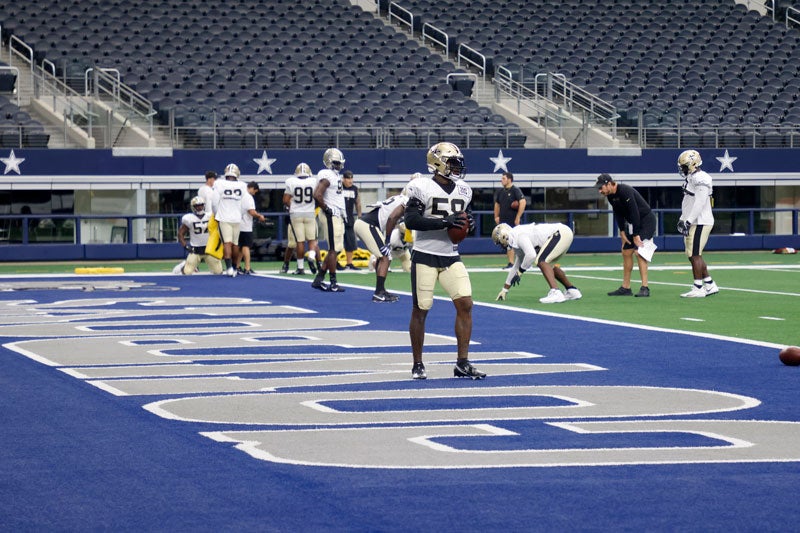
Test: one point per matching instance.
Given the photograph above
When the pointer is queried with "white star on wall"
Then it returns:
(264, 163)
(12, 162)
(726, 161)
(500, 162)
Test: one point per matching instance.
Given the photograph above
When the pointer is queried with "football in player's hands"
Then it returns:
(457, 227)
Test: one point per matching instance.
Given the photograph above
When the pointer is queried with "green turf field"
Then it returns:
(759, 298)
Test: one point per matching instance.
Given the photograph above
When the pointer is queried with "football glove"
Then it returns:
(471, 221)
(502, 295)
(328, 211)
(453, 220)
(515, 280)
(386, 249)
(683, 227)
(188, 248)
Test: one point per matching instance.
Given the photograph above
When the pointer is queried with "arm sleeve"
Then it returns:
(417, 221)
(528, 253)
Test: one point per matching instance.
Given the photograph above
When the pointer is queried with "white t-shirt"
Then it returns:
(207, 194)
(248, 203)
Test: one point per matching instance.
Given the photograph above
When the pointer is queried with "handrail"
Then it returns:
(504, 83)
(47, 62)
(87, 90)
(480, 64)
(792, 10)
(19, 41)
(13, 70)
(394, 6)
(445, 43)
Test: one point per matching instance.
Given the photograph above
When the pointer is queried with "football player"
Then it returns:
(696, 221)
(540, 245)
(434, 205)
(375, 229)
(228, 194)
(332, 214)
(298, 199)
(195, 225)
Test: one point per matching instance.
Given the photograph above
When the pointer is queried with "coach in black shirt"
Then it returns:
(636, 223)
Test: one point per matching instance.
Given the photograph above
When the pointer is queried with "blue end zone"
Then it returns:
(77, 457)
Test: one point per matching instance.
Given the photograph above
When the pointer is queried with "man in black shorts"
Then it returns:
(636, 223)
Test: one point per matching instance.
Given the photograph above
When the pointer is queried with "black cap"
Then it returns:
(603, 179)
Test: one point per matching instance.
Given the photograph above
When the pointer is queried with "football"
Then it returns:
(515, 205)
(790, 356)
(459, 234)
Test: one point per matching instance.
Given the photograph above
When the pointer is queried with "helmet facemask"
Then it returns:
(198, 206)
(500, 235)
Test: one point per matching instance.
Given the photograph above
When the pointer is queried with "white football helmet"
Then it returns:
(689, 162)
(447, 160)
(500, 235)
(232, 171)
(302, 171)
(198, 206)
(333, 159)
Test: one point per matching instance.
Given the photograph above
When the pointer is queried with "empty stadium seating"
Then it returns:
(253, 73)
(709, 61)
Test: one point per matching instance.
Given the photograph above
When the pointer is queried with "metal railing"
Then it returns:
(12, 71)
(162, 228)
(106, 84)
(436, 36)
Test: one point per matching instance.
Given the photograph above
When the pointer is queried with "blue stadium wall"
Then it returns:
(142, 169)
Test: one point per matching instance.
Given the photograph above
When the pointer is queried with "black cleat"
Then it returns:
(385, 297)
(299, 272)
(334, 287)
(312, 266)
(464, 369)
(418, 371)
(622, 291)
(285, 268)
(644, 292)
(320, 285)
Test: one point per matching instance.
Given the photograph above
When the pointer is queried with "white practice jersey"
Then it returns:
(696, 205)
(333, 194)
(248, 203)
(207, 194)
(438, 204)
(302, 192)
(387, 207)
(526, 239)
(228, 195)
(198, 228)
